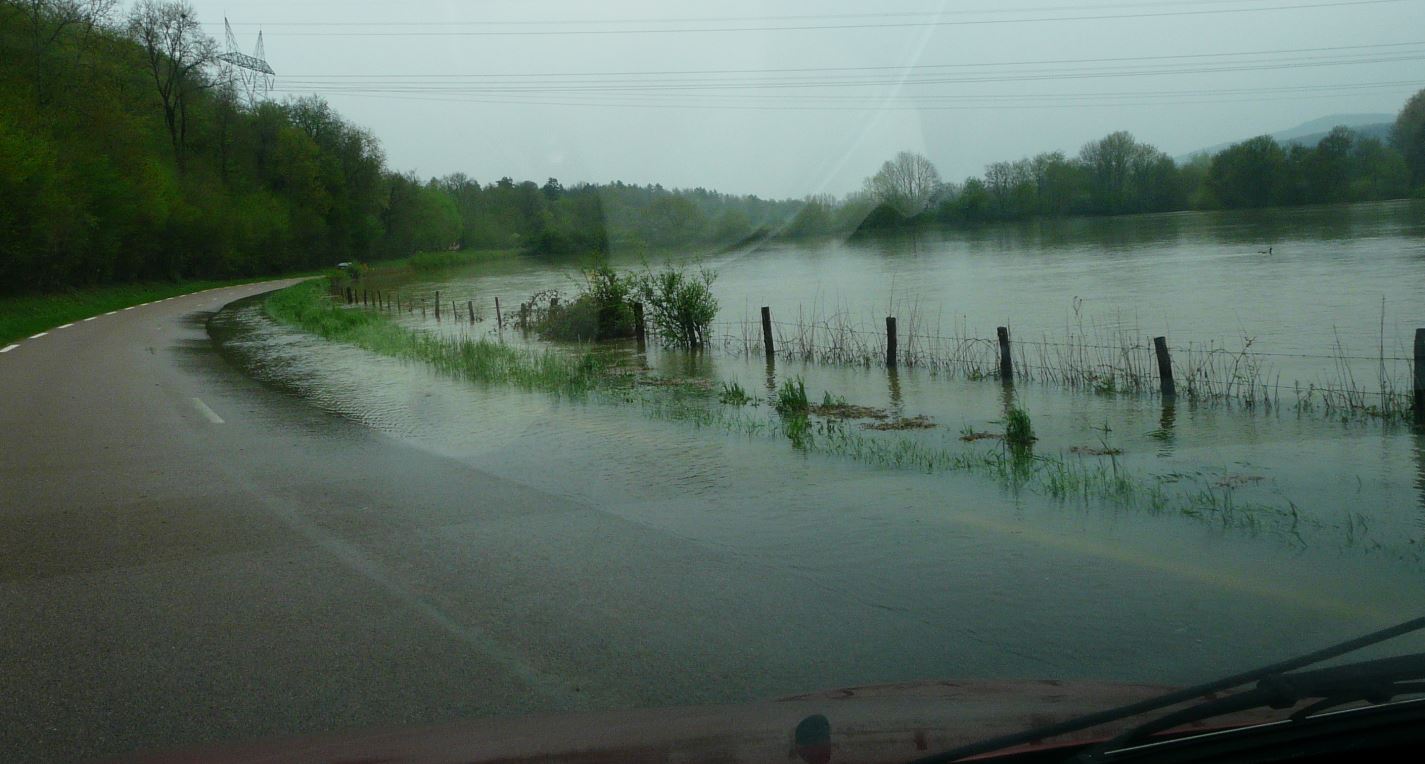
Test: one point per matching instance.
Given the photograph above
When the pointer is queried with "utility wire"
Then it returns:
(723, 19)
(848, 27)
(897, 68)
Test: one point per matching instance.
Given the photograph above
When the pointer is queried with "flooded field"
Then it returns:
(1248, 531)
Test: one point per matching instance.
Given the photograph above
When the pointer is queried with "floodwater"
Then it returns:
(853, 571)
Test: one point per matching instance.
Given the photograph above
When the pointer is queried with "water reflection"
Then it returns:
(893, 381)
(1419, 453)
(1164, 434)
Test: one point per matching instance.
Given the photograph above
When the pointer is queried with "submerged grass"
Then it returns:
(1083, 478)
(1100, 357)
(478, 360)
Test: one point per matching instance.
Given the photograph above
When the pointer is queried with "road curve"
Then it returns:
(186, 556)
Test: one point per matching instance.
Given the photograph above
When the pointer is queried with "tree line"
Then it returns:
(127, 152)
(1119, 175)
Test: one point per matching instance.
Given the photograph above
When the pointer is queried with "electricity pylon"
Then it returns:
(250, 73)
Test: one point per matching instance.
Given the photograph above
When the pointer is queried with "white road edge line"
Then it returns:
(37, 336)
(8, 348)
(66, 326)
(203, 409)
(112, 312)
(91, 318)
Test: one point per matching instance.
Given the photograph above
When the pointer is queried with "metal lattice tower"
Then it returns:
(251, 73)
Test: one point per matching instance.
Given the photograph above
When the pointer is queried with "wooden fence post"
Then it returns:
(890, 342)
(437, 306)
(471, 307)
(1006, 363)
(640, 331)
(499, 319)
(767, 333)
(1420, 377)
(1165, 367)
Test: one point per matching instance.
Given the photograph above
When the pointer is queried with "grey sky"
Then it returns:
(752, 133)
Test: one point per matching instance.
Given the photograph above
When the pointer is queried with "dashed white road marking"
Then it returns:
(8, 348)
(203, 409)
(91, 318)
(66, 326)
(37, 336)
(129, 308)
(112, 312)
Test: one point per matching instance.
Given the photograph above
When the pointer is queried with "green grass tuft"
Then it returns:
(791, 398)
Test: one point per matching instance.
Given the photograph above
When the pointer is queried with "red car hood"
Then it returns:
(880, 723)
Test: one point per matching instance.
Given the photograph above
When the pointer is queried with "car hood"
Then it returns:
(878, 723)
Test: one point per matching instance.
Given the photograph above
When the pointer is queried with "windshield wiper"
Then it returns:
(1274, 676)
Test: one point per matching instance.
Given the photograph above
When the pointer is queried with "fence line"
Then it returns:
(1136, 364)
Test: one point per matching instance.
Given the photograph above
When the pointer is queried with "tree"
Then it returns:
(1249, 174)
(1408, 137)
(47, 20)
(1121, 171)
(906, 183)
(1058, 183)
(176, 50)
(1326, 170)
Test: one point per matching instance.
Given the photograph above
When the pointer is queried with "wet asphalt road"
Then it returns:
(188, 556)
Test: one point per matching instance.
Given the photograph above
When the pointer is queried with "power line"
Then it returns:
(792, 107)
(803, 70)
(721, 19)
(1031, 76)
(860, 26)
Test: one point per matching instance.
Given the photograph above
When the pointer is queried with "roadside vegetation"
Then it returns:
(308, 306)
(24, 315)
(679, 307)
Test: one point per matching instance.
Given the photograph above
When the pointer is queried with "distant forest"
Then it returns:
(126, 155)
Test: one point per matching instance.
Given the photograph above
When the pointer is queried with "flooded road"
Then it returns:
(705, 558)
(836, 571)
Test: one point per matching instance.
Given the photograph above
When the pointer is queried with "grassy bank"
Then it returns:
(435, 261)
(477, 360)
(25, 315)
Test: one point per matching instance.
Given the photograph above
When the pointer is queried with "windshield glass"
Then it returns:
(366, 366)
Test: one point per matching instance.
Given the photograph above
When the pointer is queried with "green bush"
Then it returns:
(680, 306)
(602, 311)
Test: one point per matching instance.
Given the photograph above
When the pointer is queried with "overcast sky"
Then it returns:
(809, 96)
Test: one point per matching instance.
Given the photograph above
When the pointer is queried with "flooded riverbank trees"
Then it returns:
(1119, 174)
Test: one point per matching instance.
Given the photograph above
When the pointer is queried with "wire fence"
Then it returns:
(1100, 358)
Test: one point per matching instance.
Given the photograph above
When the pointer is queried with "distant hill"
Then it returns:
(1311, 133)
